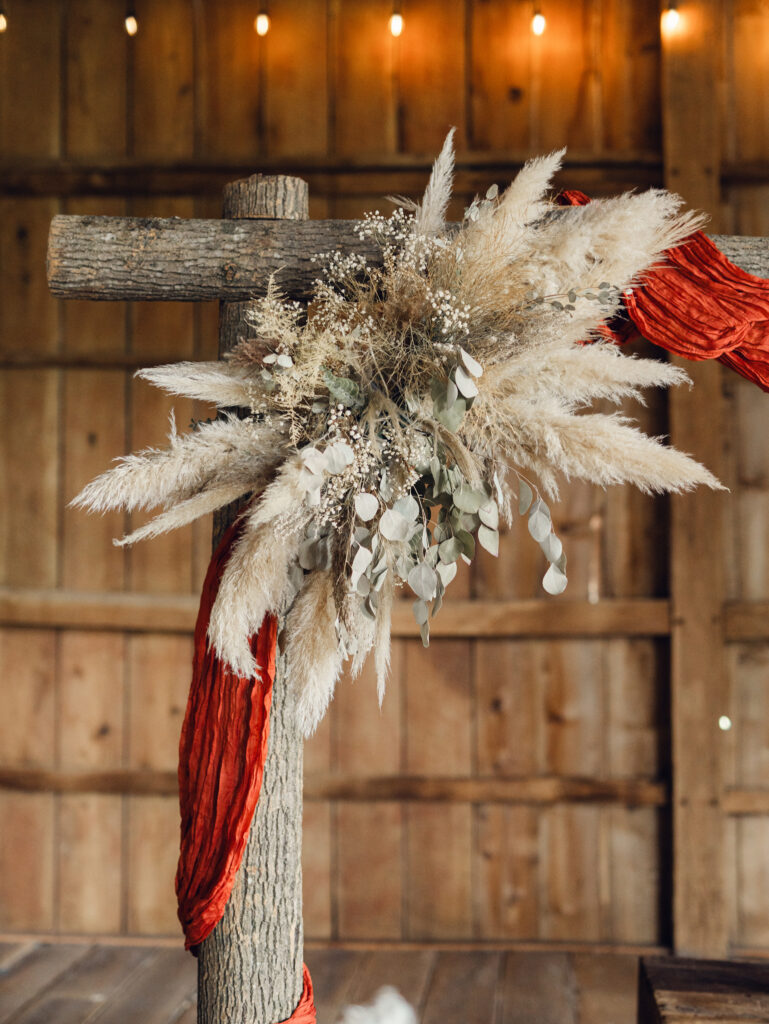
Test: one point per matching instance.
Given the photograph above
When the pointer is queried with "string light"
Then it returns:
(670, 19)
(538, 23)
(3, 20)
(724, 723)
(131, 23)
(396, 22)
(262, 23)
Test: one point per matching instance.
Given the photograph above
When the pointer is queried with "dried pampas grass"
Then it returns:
(416, 401)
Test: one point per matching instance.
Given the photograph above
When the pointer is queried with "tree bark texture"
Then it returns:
(124, 258)
(189, 260)
(250, 967)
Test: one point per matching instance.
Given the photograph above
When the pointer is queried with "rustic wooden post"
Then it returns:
(250, 967)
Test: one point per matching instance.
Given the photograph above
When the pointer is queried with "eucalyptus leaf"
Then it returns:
(285, 361)
(451, 417)
(468, 543)
(554, 581)
(452, 393)
(471, 365)
(437, 605)
(488, 539)
(362, 560)
(366, 506)
(431, 556)
(421, 612)
(467, 499)
(342, 389)
(408, 507)
(525, 497)
(552, 548)
(338, 457)
(489, 514)
(424, 630)
(539, 521)
(393, 526)
(449, 551)
(441, 532)
(467, 386)
(447, 571)
(423, 581)
(270, 358)
(363, 586)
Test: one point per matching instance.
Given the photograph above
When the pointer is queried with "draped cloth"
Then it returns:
(696, 304)
(222, 753)
(699, 305)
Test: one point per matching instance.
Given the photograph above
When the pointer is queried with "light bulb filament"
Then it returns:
(670, 20)
(396, 24)
(131, 24)
(262, 24)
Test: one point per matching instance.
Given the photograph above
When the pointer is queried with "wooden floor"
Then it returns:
(72, 984)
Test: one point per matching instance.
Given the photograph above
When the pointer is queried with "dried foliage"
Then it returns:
(392, 421)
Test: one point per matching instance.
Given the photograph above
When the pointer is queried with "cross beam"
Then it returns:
(177, 260)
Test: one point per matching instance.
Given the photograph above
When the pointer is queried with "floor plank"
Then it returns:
(409, 971)
(75, 984)
(157, 992)
(463, 989)
(333, 974)
(607, 987)
(93, 981)
(539, 989)
(32, 973)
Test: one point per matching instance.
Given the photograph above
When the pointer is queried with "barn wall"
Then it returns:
(516, 785)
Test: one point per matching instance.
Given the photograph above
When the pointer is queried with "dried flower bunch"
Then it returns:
(415, 402)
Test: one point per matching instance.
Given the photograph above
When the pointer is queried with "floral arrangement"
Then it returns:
(418, 400)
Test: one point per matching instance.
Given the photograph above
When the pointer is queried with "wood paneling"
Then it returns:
(514, 786)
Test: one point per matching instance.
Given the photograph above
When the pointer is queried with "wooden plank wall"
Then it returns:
(515, 787)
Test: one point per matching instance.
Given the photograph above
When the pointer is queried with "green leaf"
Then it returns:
(525, 496)
(450, 550)
(423, 581)
(488, 539)
(342, 389)
(467, 499)
(539, 521)
(552, 548)
(554, 581)
(489, 514)
(468, 543)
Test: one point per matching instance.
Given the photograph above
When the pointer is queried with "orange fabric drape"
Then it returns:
(699, 305)
(221, 760)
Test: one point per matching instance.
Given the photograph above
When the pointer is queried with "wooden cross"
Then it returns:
(250, 968)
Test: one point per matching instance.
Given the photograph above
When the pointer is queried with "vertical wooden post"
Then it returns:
(250, 968)
(691, 73)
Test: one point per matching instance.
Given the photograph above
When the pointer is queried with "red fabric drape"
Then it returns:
(699, 305)
(221, 760)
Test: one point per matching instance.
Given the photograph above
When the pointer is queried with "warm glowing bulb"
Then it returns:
(131, 25)
(670, 20)
(262, 24)
(3, 22)
(538, 24)
(724, 723)
(396, 24)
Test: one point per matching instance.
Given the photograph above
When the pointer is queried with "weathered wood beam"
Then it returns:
(540, 790)
(172, 613)
(327, 177)
(172, 259)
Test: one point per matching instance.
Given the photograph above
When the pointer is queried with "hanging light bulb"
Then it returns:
(131, 23)
(670, 19)
(262, 23)
(3, 20)
(396, 23)
(538, 23)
